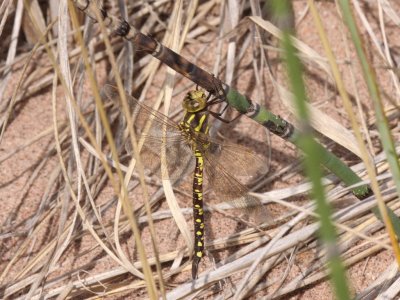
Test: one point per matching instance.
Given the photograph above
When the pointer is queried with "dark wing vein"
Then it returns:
(161, 133)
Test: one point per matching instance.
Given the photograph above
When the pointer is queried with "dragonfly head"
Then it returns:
(195, 101)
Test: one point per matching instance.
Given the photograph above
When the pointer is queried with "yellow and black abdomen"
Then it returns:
(198, 212)
(193, 124)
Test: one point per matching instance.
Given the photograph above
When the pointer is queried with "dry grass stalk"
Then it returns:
(64, 232)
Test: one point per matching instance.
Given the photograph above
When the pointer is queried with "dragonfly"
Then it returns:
(188, 146)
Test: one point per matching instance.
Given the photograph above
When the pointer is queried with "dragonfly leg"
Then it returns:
(217, 115)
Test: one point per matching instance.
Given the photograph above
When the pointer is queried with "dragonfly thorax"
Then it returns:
(194, 128)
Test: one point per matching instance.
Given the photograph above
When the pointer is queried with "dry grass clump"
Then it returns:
(80, 219)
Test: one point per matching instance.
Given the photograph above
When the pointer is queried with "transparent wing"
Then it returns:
(225, 164)
(242, 162)
(228, 189)
(157, 133)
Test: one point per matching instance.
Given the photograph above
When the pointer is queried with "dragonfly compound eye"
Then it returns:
(195, 101)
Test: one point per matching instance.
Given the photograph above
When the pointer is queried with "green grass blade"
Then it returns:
(312, 161)
(382, 123)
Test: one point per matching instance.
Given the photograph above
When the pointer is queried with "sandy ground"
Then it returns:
(20, 197)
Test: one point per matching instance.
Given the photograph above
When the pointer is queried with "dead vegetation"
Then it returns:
(78, 220)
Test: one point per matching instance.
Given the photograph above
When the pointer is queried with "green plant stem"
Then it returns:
(243, 104)
(312, 159)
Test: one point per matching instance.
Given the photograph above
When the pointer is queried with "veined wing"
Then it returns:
(228, 189)
(242, 162)
(158, 133)
(225, 164)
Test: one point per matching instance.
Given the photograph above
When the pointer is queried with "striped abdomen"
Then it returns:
(198, 212)
(193, 123)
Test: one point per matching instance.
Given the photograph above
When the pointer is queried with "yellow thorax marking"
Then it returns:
(201, 121)
(191, 117)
